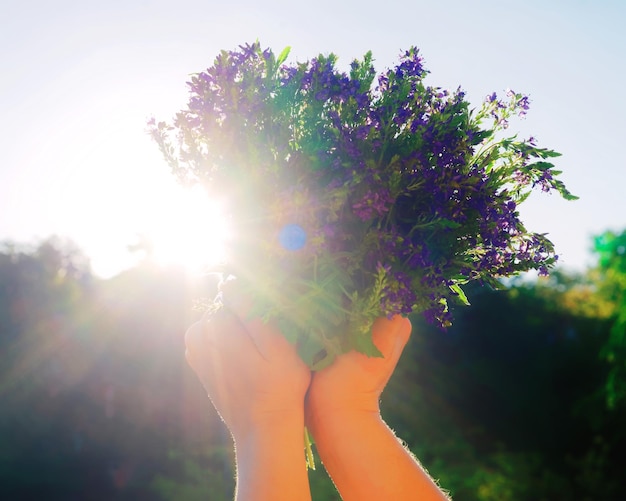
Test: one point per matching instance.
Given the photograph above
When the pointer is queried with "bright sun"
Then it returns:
(189, 230)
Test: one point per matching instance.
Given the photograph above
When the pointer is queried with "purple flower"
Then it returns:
(372, 204)
(398, 296)
(523, 105)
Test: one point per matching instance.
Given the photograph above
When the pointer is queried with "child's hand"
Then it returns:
(252, 374)
(355, 381)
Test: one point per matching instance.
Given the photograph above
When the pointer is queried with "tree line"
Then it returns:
(523, 398)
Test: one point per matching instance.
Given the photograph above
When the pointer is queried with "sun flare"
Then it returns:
(189, 231)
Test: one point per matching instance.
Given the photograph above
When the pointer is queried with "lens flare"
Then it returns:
(292, 237)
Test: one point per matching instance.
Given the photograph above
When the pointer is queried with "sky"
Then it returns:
(80, 79)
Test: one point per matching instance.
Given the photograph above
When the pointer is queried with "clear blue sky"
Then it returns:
(78, 80)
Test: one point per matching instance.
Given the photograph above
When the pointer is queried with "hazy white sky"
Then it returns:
(79, 79)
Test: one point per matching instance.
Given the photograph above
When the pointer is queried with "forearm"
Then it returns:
(270, 462)
(367, 462)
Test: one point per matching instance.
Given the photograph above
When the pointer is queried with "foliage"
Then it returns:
(201, 478)
(599, 293)
(354, 196)
(508, 403)
(92, 398)
(611, 279)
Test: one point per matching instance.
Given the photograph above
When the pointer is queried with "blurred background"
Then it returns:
(524, 397)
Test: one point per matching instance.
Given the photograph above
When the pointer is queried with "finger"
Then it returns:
(232, 296)
(390, 334)
(195, 342)
(265, 337)
(197, 352)
(229, 337)
(270, 342)
(402, 335)
(202, 333)
(217, 349)
(218, 335)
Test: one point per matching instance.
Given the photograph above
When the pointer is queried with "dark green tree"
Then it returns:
(610, 277)
(508, 402)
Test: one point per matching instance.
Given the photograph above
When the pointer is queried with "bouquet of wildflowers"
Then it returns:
(355, 195)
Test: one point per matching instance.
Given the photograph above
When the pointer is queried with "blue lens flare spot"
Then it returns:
(292, 237)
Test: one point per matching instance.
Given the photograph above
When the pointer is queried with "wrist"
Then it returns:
(270, 459)
(329, 421)
(267, 424)
(322, 406)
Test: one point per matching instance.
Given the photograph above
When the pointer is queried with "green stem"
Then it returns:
(308, 450)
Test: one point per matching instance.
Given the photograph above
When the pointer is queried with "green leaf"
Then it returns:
(446, 223)
(456, 288)
(289, 331)
(308, 442)
(540, 166)
(324, 362)
(544, 153)
(283, 56)
(365, 344)
(312, 351)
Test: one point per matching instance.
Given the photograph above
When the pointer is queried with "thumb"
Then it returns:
(391, 335)
(264, 335)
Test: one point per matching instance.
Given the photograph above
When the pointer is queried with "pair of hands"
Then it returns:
(254, 376)
(266, 395)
